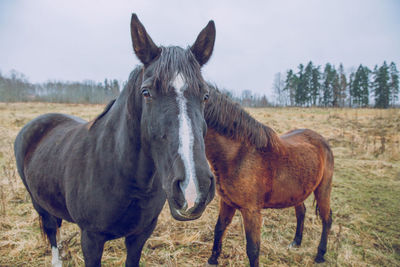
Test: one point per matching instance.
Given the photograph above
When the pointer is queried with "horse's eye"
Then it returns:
(205, 98)
(146, 93)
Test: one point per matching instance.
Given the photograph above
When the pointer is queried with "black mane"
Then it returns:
(231, 120)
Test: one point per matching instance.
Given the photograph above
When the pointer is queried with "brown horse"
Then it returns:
(256, 169)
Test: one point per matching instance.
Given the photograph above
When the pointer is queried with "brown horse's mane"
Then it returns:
(231, 120)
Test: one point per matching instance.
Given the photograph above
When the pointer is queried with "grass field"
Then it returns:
(365, 200)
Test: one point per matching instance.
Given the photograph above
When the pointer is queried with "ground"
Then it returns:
(365, 200)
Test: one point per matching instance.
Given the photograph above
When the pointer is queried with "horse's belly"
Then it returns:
(291, 191)
(241, 192)
(48, 196)
(117, 215)
(277, 201)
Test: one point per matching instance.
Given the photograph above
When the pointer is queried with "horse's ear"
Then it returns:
(204, 45)
(144, 47)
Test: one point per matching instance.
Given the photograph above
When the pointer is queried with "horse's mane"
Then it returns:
(231, 120)
(101, 115)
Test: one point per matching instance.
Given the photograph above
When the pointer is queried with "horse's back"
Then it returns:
(32, 134)
(306, 136)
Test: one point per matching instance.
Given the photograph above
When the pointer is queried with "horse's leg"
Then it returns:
(225, 216)
(134, 245)
(92, 247)
(252, 227)
(50, 225)
(300, 214)
(322, 196)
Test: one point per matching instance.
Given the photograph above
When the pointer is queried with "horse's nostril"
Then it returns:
(180, 185)
(178, 196)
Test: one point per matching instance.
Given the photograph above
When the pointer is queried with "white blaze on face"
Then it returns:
(185, 149)
(55, 260)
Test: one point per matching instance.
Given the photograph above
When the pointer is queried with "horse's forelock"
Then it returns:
(175, 60)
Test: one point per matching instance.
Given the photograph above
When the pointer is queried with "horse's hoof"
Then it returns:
(293, 245)
(212, 262)
(319, 259)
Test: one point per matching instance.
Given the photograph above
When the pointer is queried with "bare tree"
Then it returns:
(281, 95)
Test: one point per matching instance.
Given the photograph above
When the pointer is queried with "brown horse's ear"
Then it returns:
(144, 47)
(204, 45)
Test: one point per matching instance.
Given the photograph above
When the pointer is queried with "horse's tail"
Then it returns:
(42, 232)
(323, 190)
(46, 237)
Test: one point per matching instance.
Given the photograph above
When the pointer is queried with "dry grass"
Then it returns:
(365, 200)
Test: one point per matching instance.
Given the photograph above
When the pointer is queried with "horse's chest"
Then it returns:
(138, 216)
(240, 191)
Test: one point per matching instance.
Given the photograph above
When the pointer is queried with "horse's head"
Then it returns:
(172, 122)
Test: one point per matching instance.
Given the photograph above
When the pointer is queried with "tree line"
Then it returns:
(17, 88)
(248, 99)
(311, 85)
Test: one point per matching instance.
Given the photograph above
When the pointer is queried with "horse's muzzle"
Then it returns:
(180, 211)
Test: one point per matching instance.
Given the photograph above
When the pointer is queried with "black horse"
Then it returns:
(111, 176)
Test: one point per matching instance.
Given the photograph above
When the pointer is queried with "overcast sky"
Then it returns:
(90, 39)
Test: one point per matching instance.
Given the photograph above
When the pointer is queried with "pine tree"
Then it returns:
(360, 87)
(364, 86)
(301, 95)
(290, 86)
(315, 85)
(327, 85)
(307, 81)
(381, 86)
(336, 90)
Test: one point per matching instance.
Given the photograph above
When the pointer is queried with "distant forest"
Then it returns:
(309, 86)
(17, 88)
(331, 87)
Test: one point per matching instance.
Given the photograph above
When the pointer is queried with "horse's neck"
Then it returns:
(232, 121)
(221, 150)
(119, 130)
